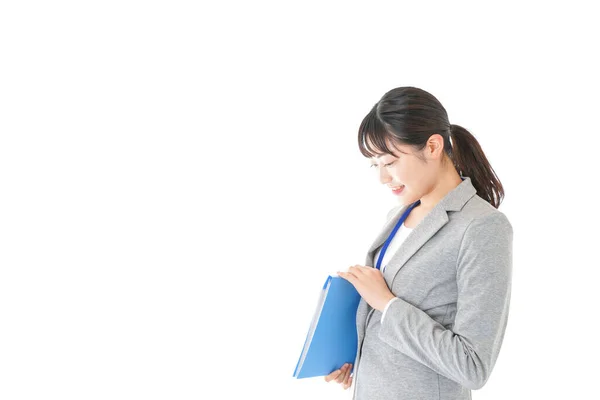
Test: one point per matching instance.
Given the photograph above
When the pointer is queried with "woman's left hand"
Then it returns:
(370, 284)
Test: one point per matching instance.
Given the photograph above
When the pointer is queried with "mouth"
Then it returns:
(397, 189)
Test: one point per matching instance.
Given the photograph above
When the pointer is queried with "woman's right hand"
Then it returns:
(341, 375)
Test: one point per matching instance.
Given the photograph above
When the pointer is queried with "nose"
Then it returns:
(384, 177)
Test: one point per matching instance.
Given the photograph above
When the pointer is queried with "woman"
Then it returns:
(436, 285)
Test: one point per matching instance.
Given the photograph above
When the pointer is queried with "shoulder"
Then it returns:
(480, 218)
(486, 241)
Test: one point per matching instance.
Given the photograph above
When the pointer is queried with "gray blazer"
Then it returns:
(452, 276)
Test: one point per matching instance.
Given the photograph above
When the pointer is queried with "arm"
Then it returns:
(466, 353)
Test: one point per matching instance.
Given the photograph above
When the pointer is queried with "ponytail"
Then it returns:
(469, 160)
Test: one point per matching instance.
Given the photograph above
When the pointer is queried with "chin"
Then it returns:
(407, 201)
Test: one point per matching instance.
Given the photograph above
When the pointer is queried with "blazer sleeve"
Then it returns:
(467, 352)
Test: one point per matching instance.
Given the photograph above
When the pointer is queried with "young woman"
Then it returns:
(436, 282)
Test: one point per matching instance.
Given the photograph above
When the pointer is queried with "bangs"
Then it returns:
(372, 136)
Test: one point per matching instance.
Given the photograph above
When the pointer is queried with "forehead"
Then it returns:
(396, 148)
(380, 157)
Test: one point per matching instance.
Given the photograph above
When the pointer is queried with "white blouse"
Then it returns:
(397, 240)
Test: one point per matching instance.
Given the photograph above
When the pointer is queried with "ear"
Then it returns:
(434, 148)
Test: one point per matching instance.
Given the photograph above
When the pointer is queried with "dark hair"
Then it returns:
(409, 116)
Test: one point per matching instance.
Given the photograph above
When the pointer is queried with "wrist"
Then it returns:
(386, 302)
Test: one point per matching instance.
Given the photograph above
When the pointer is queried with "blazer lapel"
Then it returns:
(385, 232)
(427, 227)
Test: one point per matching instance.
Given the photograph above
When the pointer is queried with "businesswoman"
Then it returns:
(436, 282)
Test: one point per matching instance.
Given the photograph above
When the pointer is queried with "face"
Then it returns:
(407, 170)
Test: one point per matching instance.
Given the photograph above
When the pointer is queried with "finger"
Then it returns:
(349, 383)
(349, 277)
(354, 269)
(357, 271)
(346, 373)
(368, 270)
(333, 375)
(340, 378)
(346, 276)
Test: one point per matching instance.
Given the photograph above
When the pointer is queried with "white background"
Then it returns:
(178, 179)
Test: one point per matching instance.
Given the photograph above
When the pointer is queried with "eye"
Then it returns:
(385, 165)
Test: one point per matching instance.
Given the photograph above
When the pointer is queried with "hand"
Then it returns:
(342, 376)
(370, 284)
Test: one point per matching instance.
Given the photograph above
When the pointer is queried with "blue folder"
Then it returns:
(332, 339)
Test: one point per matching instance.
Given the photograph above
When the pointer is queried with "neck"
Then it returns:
(446, 182)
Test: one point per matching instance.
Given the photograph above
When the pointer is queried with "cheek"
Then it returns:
(396, 175)
(409, 176)
(402, 174)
